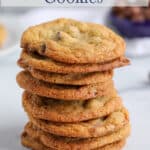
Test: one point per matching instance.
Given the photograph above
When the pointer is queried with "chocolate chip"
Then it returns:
(85, 104)
(58, 36)
(43, 48)
(24, 134)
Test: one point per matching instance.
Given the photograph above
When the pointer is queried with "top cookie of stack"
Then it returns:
(72, 42)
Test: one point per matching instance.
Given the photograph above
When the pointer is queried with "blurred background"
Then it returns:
(132, 82)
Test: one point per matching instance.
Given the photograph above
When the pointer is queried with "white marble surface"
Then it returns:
(132, 83)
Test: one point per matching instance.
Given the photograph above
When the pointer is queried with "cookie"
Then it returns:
(71, 41)
(32, 143)
(91, 128)
(72, 79)
(35, 144)
(63, 92)
(3, 35)
(70, 111)
(58, 142)
(36, 61)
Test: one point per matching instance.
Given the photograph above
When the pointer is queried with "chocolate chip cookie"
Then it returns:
(71, 41)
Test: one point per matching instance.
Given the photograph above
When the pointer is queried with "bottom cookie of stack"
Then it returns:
(35, 138)
(35, 144)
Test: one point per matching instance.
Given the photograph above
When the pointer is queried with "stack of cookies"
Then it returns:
(69, 94)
